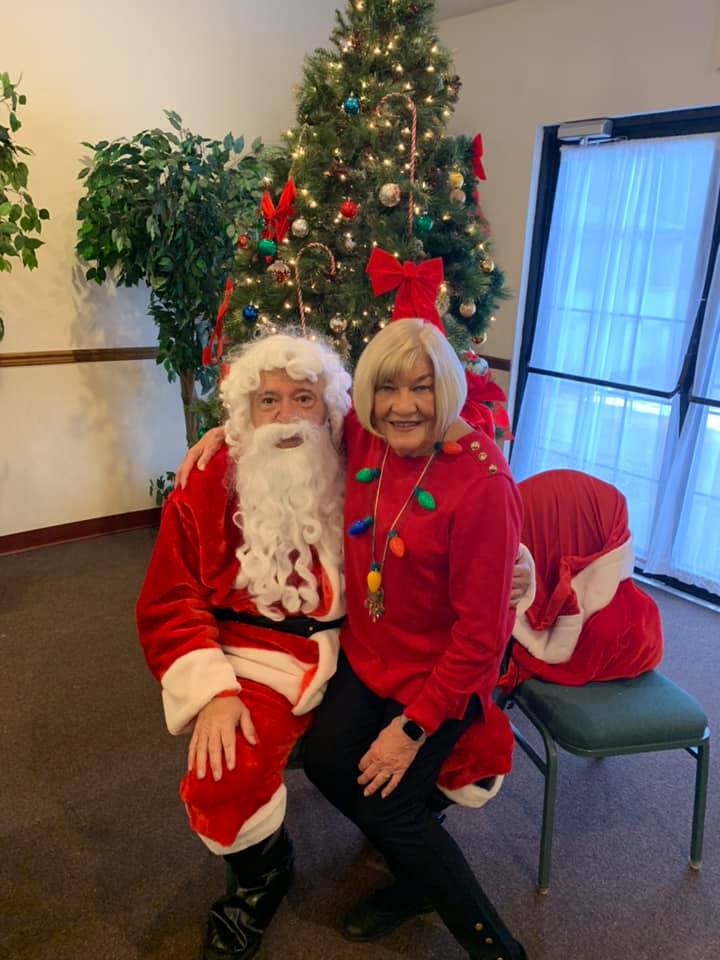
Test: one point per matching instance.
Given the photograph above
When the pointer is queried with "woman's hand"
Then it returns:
(388, 758)
(521, 579)
(201, 453)
(214, 734)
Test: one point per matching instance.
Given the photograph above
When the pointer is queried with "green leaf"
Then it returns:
(239, 144)
(14, 122)
(257, 145)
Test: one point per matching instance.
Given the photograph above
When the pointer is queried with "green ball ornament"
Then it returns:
(267, 247)
(424, 223)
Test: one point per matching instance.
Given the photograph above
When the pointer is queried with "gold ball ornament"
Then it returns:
(456, 179)
(481, 340)
(488, 265)
(458, 196)
(389, 194)
(468, 309)
(300, 227)
(338, 324)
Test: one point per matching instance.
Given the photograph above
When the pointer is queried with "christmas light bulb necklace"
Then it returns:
(375, 593)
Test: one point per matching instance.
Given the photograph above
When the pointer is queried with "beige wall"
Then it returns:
(81, 441)
(535, 62)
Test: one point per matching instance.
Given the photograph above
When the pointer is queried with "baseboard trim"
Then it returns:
(79, 530)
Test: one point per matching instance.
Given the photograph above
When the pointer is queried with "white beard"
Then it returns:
(289, 500)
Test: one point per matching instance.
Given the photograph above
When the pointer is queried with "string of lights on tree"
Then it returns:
(369, 165)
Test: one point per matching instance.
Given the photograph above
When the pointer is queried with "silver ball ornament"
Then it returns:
(389, 194)
(338, 324)
(300, 227)
(468, 309)
(349, 242)
(458, 196)
(279, 271)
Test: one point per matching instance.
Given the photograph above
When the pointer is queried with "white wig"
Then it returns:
(301, 359)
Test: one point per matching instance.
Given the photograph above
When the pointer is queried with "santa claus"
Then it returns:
(239, 614)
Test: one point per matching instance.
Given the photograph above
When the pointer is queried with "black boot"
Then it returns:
(381, 912)
(238, 920)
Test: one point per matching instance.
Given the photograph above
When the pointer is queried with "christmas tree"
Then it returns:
(368, 166)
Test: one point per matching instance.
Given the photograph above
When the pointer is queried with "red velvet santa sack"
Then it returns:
(588, 620)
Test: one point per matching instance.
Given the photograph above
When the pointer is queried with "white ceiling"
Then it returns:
(457, 8)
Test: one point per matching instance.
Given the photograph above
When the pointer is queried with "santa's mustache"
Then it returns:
(267, 437)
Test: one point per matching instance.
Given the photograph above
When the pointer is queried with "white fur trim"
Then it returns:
(328, 642)
(192, 682)
(471, 795)
(594, 588)
(529, 596)
(262, 824)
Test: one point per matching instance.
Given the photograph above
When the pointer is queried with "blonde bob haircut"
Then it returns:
(392, 353)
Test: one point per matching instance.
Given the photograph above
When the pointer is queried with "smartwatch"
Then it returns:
(412, 729)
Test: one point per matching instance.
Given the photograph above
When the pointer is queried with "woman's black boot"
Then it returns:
(238, 920)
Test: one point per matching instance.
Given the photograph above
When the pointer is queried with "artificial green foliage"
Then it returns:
(161, 207)
(161, 487)
(337, 152)
(20, 219)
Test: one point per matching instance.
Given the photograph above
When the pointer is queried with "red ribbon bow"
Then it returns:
(216, 337)
(277, 218)
(483, 407)
(477, 152)
(417, 285)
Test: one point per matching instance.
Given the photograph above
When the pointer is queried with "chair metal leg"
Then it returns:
(548, 820)
(548, 768)
(702, 757)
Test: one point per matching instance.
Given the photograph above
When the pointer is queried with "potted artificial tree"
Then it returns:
(20, 219)
(161, 207)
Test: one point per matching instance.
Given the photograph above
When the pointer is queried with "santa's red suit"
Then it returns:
(588, 620)
(197, 656)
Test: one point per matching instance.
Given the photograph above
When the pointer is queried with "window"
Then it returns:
(620, 367)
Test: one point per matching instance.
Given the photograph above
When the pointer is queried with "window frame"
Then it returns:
(669, 123)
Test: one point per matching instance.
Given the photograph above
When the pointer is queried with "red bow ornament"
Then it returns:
(477, 153)
(484, 408)
(216, 337)
(417, 285)
(277, 218)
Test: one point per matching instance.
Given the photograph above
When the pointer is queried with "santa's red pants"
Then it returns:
(248, 803)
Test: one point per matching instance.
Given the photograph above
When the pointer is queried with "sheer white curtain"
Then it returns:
(686, 534)
(626, 259)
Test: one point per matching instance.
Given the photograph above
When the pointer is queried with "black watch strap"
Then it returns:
(413, 730)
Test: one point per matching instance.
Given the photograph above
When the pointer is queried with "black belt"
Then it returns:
(298, 626)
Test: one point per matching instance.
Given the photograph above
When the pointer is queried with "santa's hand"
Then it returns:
(214, 735)
(389, 756)
(201, 453)
(521, 579)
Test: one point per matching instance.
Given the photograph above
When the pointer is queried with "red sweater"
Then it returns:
(447, 613)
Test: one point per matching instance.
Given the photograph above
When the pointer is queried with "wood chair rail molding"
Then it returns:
(40, 358)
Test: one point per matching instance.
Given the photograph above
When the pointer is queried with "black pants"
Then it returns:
(421, 854)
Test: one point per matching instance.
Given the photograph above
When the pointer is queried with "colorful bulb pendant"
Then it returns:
(360, 526)
(396, 544)
(451, 448)
(374, 580)
(425, 498)
(367, 474)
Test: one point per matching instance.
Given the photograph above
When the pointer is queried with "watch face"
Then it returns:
(413, 730)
